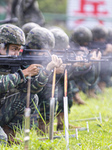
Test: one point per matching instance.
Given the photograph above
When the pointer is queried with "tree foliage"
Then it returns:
(53, 6)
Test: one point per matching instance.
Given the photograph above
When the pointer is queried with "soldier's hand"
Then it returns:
(60, 69)
(108, 49)
(95, 56)
(32, 70)
(56, 62)
(78, 64)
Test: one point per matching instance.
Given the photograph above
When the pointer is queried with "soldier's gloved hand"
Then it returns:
(108, 49)
(95, 56)
(32, 70)
(60, 69)
(56, 62)
(78, 64)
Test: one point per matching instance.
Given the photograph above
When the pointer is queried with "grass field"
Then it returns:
(99, 136)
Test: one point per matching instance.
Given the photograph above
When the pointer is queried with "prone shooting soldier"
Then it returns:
(13, 82)
(80, 40)
(100, 34)
(41, 39)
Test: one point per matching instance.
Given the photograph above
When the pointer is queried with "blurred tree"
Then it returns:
(52, 6)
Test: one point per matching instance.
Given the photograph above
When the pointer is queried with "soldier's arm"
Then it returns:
(41, 79)
(10, 81)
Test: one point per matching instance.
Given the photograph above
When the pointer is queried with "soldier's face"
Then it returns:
(14, 49)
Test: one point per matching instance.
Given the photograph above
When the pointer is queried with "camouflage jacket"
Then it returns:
(11, 83)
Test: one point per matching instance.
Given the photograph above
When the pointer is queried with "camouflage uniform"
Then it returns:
(13, 86)
(41, 38)
(61, 42)
(82, 37)
(100, 33)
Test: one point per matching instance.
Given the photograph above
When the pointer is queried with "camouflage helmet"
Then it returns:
(99, 32)
(81, 35)
(61, 38)
(54, 27)
(28, 26)
(11, 34)
(40, 38)
(109, 35)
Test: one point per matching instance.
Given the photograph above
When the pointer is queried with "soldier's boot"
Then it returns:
(11, 135)
(102, 86)
(91, 93)
(43, 126)
(77, 99)
(60, 119)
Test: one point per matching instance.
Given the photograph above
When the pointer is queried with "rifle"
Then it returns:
(69, 56)
(32, 56)
(28, 57)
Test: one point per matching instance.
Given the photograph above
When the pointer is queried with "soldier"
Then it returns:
(28, 26)
(13, 83)
(27, 11)
(42, 38)
(81, 39)
(100, 42)
(61, 44)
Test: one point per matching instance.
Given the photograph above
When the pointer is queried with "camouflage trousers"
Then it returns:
(3, 136)
(44, 101)
(12, 109)
(45, 96)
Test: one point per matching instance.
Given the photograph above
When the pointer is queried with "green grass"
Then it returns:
(99, 136)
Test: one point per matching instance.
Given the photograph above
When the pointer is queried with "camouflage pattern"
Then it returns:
(11, 34)
(61, 43)
(44, 99)
(49, 27)
(40, 38)
(3, 136)
(91, 79)
(28, 26)
(109, 35)
(82, 78)
(81, 35)
(99, 32)
(13, 89)
(61, 39)
(12, 111)
(45, 95)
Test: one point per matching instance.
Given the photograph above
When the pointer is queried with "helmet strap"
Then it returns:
(7, 51)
